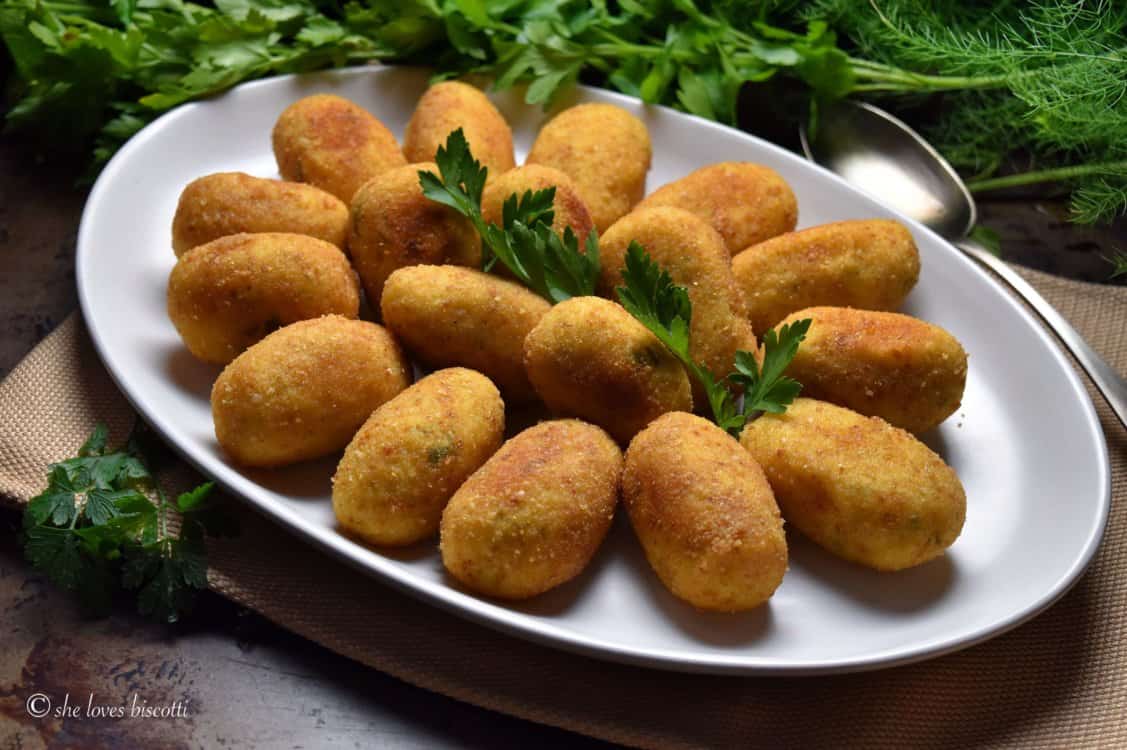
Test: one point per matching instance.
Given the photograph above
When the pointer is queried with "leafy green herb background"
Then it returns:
(1038, 85)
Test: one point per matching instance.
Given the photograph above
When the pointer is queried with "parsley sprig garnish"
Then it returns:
(548, 263)
(96, 528)
(663, 307)
(553, 266)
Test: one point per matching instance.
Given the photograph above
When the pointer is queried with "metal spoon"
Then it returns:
(880, 154)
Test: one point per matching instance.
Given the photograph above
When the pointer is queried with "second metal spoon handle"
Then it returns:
(1109, 382)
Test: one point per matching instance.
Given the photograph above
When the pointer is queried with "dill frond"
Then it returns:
(1055, 90)
(1100, 199)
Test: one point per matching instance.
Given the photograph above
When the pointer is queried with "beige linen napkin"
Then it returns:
(1058, 681)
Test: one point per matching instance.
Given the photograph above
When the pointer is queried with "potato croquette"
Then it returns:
(450, 105)
(304, 390)
(400, 470)
(568, 207)
(452, 316)
(861, 488)
(535, 514)
(704, 513)
(394, 225)
(605, 150)
(901, 369)
(746, 203)
(589, 358)
(870, 264)
(231, 292)
(228, 203)
(695, 257)
(332, 143)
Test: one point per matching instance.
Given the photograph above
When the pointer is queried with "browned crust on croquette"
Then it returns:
(393, 225)
(902, 369)
(226, 203)
(535, 514)
(605, 149)
(453, 316)
(861, 488)
(705, 514)
(450, 105)
(871, 264)
(304, 390)
(695, 257)
(413, 453)
(746, 203)
(226, 295)
(589, 358)
(569, 208)
(333, 143)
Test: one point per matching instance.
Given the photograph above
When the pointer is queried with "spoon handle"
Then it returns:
(1109, 382)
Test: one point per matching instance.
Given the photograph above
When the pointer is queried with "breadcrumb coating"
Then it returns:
(863, 489)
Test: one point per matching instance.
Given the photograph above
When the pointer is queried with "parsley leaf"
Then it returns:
(100, 506)
(195, 499)
(649, 294)
(95, 445)
(57, 553)
(767, 389)
(530, 209)
(96, 529)
(550, 264)
(56, 503)
(462, 178)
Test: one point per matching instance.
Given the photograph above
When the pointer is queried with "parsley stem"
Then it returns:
(83, 10)
(163, 512)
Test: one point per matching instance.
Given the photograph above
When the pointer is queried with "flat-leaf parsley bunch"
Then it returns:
(104, 523)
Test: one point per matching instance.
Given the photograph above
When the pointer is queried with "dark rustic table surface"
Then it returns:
(241, 681)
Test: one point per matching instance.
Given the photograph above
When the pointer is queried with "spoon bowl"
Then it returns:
(882, 155)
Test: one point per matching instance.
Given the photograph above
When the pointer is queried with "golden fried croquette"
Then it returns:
(881, 364)
(452, 316)
(332, 143)
(871, 264)
(394, 225)
(233, 203)
(746, 203)
(304, 390)
(861, 488)
(569, 208)
(589, 358)
(229, 293)
(407, 460)
(605, 149)
(535, 514)
(450, 105)
(695, 257)
(704, 513)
